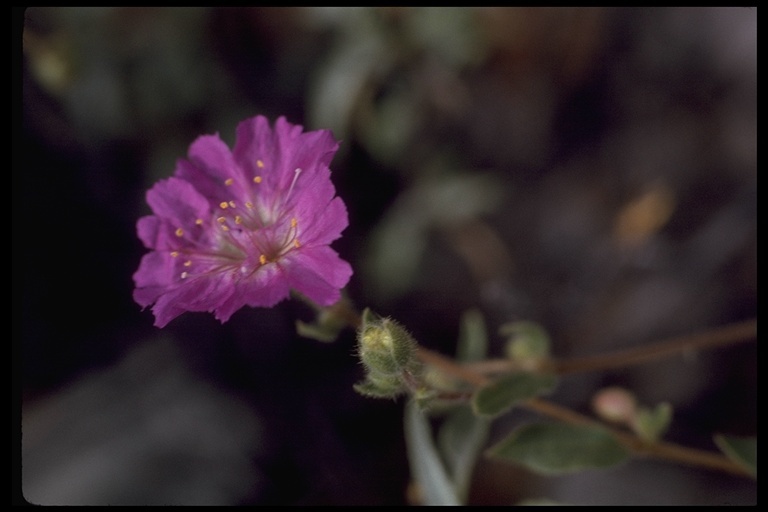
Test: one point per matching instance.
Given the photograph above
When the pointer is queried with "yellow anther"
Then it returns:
(188, 263)
(232, 204)
(249, 205)
(184, 275)
(223, 205)
(293, 222)
(263, 259)
(221, 220)
(225, 228)
(199, 222)
(175, 254)
(229, 181)
(257, 179)
(259, 164)
(296, 244)
(238, 219)
(179, 232)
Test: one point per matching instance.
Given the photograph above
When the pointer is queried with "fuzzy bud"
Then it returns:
(388, 353)
(385, 347)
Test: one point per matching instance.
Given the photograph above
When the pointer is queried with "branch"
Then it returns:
(637, 446)
(728, 335)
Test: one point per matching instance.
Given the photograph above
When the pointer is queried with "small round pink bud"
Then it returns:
(615, 404)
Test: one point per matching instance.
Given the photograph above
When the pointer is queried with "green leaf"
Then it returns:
(317, 332)
(473, 337)
(741, 450)
(426, 467)
(461, 439)
(651, 425)
(499, 396)
(557, 448)
(526, 340)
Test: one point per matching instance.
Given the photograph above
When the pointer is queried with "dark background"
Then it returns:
(593, 170)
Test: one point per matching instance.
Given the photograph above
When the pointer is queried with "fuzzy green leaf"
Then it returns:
(501, 395)
(557, 448)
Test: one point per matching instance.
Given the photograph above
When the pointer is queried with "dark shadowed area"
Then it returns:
(590, 169)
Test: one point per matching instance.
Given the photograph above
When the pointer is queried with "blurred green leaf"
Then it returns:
(557, 448)
(427, 469)
(398, 243)
(501, 395)
(461, 439)
(527, 340)
(360, 55)
(742, 450)
(452, 34)
(391, 125)
(317, 332)
(651, 424)
(473, 337)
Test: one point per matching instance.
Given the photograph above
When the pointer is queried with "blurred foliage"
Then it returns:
(589, 169)
(555, 448)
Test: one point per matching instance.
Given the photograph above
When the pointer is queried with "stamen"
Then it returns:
(174, 254)
(263, 259)
(221, 220)
(188, 263)
(257, 179)
(223, 205)
(238, 219)
(179, 232)
(259, 164)
(229, 181)
(296, 173)
(184, 275)
(232, 204)
(296, 244)
(249, 205)
(199, 222)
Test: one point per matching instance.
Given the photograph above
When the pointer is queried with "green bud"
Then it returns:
(385, 347)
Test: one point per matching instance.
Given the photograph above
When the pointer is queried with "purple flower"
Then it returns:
(243, 227)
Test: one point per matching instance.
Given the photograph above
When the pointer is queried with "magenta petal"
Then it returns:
(209, 154)
(265, 289)
(325, 228)
(176, 200)
(155, 269)
(319, 273)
